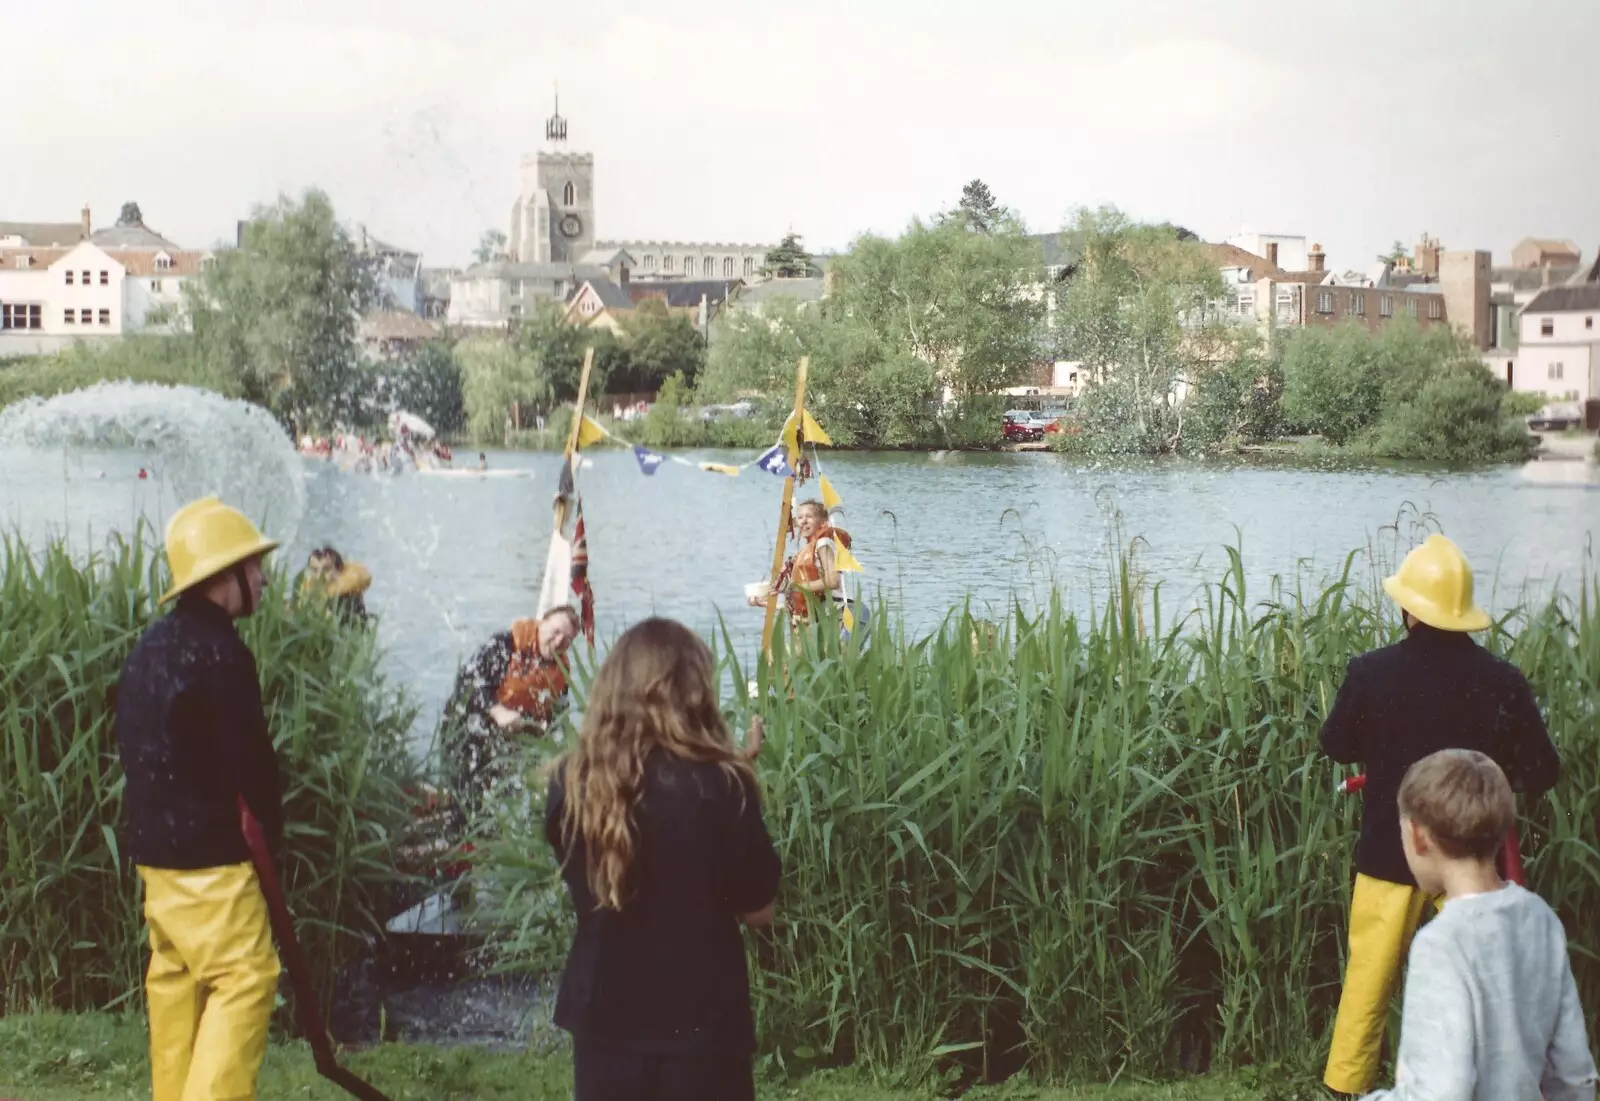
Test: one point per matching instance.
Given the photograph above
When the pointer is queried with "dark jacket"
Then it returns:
(193, 736)
(1434, 690)
(666, 975)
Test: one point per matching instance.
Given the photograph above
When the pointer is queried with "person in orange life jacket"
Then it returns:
(813, 574)
(344, 583)
(514, 685)
(193, 738)
(1434, 690)
(656, 818)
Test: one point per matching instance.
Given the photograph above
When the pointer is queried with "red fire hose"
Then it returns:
(305, 998)
(1510, 851)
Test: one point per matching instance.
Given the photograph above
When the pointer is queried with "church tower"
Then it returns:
(553, 221)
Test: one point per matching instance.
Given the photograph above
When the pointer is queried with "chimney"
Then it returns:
(1272, 253)
(1317, 258)
(1544, 274)
(88, 225)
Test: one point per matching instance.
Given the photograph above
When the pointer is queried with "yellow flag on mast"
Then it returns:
(589, 432)
(830, 497)
(814, 432)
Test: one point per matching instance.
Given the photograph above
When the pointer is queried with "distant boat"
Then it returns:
(442, 472)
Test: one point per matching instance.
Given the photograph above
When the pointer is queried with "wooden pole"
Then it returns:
(572, 435)
(782, 540)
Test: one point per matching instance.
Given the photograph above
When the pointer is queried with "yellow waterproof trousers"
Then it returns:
(1383, 918)
(212, 982)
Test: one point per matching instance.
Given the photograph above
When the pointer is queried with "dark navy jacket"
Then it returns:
(1433, 690)
(193, 736)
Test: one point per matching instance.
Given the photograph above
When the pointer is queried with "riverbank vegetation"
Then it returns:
(70, 926)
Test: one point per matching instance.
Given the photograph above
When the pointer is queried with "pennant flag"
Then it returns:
(773, 461)
(847, 617)
(720, 468)
(843, 560)
(580, 578)
(814, 432)
(830, 499)
(648, 460)
(564, 480)
(589, 431)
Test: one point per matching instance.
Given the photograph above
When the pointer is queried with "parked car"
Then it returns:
(1019, 426)
(1556, 417)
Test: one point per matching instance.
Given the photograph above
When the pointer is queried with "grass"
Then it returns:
(71, 934)
(102, 1056)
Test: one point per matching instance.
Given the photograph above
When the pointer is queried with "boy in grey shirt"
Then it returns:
(1491, 1008)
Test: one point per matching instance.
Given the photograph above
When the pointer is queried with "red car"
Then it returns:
(1020, 426)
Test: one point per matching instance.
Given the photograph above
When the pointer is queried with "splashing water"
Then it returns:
(203, 443)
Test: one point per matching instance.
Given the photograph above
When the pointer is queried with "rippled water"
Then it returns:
(456, 559)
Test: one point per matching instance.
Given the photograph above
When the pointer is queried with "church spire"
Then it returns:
(555, 127)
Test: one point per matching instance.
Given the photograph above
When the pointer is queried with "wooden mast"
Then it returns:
(793, 458)
(572, 436)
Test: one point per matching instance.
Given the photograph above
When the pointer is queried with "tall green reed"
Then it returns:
(1106, 844)
(71, 933)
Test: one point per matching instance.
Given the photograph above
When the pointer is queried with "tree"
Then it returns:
(789, 260)
(977, 210)
(130, 215)
(282, 311)
(1397, 252)
(657, 345)
(427, 382)
(500, 385)
(491, 246)
(1138, 314)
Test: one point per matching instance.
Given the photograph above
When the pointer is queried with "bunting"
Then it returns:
(590, 431)
(721, 468)
(830, 497)
(580, 578)
(773, 461)
(648, 460)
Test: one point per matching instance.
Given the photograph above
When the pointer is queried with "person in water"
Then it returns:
(343, 583)
(483, 461)
(515, 685)
(656, 819)
(193, 738)
(813, 574)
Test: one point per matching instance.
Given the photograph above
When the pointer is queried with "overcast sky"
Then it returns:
(1353, 123)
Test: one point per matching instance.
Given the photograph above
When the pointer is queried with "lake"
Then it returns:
(456, 559)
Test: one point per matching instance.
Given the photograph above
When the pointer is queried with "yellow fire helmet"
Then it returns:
(1434, 584)
(206, 537)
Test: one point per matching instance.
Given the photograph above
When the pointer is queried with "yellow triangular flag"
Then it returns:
(589, 431)
(720, 468)
(814, 432)
(848, 618)
(844, 561)
(830, 499)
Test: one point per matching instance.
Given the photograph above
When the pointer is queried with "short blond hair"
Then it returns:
(1463, 799)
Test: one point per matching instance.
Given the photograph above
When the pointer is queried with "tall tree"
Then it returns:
(283, 311)
(978, 209)
(657, 345)
(789, 260)
(130, 215)
(491, 246)
(1397, 252)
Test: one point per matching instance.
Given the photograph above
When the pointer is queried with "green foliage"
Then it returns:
(656, 344)
(1456, 416)
(1397, 252)
(172, 360)
(282, 312)
(789, 260)
(491, 246)
(1334, 380)
(1099, 846)
(71, 934)
(1516, 403)
(1236, 402)
(427, 382)
(502, 388)
(977, 211)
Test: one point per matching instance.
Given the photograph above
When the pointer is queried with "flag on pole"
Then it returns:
(830, 497)
(843, 560)
(580, 578)
(720, 468)
(773, 461)
(813, 432)
(589, 431)
(648, 460)
(564, 485)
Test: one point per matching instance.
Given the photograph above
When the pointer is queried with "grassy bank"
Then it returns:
(1105, 845)
(70, 925)
(103, 1057)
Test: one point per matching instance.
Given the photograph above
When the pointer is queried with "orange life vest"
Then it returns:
(533, 683)
(806, 567)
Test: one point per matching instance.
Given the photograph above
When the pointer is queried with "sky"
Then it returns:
(1354, 123)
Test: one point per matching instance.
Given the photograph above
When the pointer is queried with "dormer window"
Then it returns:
(24, 262)
(163, 262)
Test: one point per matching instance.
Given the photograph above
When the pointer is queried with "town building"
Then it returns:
(666, 260)
(1540, 252)
(88, 284)
(398, 272)
(390, 334)
(1558, 352)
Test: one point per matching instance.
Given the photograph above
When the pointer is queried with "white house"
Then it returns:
(1280, 250)
(1559, 346)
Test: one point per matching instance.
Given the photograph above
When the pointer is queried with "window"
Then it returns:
(155, 286)
(69, 277)
(1247, 303)
(1385, 306)
(163, 262)
(706, 266)
(1555, 370)
(649, 261)
(1435, 309)
(727, 266)
(1324, 301)
(1547, 326)
(21, 315)
(105, 278)
(86, 279)
(750, 267)
(1358, 303)
(1287, 307)
(1411, 306)
(24, 262)
(105, 317)
(666, 264)
(71, 316)
(1588, 323)
(569, 194)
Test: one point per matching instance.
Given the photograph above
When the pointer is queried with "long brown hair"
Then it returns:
(657, 689)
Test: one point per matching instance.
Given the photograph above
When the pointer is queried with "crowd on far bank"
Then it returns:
(656, 816)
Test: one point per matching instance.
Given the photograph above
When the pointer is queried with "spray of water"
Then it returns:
(206, 444)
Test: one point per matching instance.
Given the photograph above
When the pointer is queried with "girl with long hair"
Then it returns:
(656, 818)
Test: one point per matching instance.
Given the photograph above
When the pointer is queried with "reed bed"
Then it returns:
(1100, 845)
(71, 934)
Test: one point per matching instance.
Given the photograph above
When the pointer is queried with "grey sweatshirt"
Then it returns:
(1491, 1008)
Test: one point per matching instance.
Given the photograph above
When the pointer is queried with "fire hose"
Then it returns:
(1510, 849)
(305, 997)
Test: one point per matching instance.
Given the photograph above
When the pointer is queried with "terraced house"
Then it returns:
(66, 281)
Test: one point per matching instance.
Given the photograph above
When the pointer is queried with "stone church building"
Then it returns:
(552, 248)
